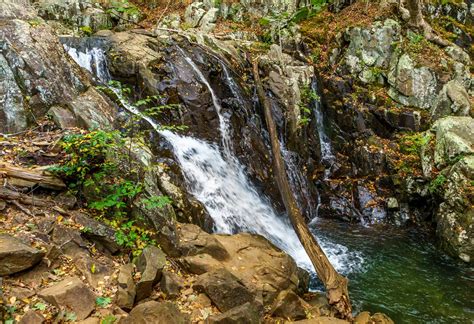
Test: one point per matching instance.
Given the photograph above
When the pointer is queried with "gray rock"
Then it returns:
(154, 312)
(371, 47)
(458, 54)
(171, 284)
(289, 305)
(16, 256)
(193, 240)
(70, 293)
(224, 289)
(62, 117)
(150, 263)
(32, 317)
(246, 313)
(126, 287)
(93, 110)
(453, 99)
(208, 21)
(455, 215)
(454, 137)
(98, 232)
(194, 14)
(412, 86)
(43, 76)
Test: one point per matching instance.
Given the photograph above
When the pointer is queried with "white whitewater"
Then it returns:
(324, 141)
(220, 183)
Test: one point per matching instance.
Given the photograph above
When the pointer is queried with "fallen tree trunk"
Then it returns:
(21, 177)
(7, 194)
(335, 284)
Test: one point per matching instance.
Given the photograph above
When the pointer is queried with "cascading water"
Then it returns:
(327, 155)
(219, 182)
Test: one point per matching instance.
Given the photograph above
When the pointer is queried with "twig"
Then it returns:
(22, 208)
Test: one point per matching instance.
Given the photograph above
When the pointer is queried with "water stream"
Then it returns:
(391, 272)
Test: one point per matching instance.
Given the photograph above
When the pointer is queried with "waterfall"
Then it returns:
(220, 183)
(223, 121)
(327, 155)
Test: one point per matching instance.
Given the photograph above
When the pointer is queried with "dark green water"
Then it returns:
(403, 275)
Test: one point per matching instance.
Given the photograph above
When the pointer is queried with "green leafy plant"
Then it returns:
(412, 143)
(437, 184)
(103, 302)
(108, 319)
(86, 30)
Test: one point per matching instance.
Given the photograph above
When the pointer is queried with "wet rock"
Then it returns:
(412, 86)
(171, 284)
(289, 305)
(98, 232)
(150, 263)
(224, 289)
(32, 317)
(246, 313)
(62, 117)
(70, 293)
(154, 312)
(126, 287)
(15, 256)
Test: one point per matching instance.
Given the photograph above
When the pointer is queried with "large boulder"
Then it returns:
(224, 289)
(126, 287)
(455, 215)
(155, 312)
(453, 100)
(150, 263)
(70, 293)
(75, 13)
(246, 313)
(410, 85)
(35, 68)
(371, 49)
(260, 266)
(15, 256)
(449, 153)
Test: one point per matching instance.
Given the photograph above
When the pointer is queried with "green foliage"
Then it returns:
(86, 30)
(108, 319)
(415, 38)
(39, 306)
(308, 95)
(412, 143)
(437, 184)
(156, 202)
(124, 7)
(103, 302)
(86, 157)
(88, 167)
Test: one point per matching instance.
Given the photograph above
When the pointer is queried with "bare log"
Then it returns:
(10, 195)
(21, 177)
(335, 284)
